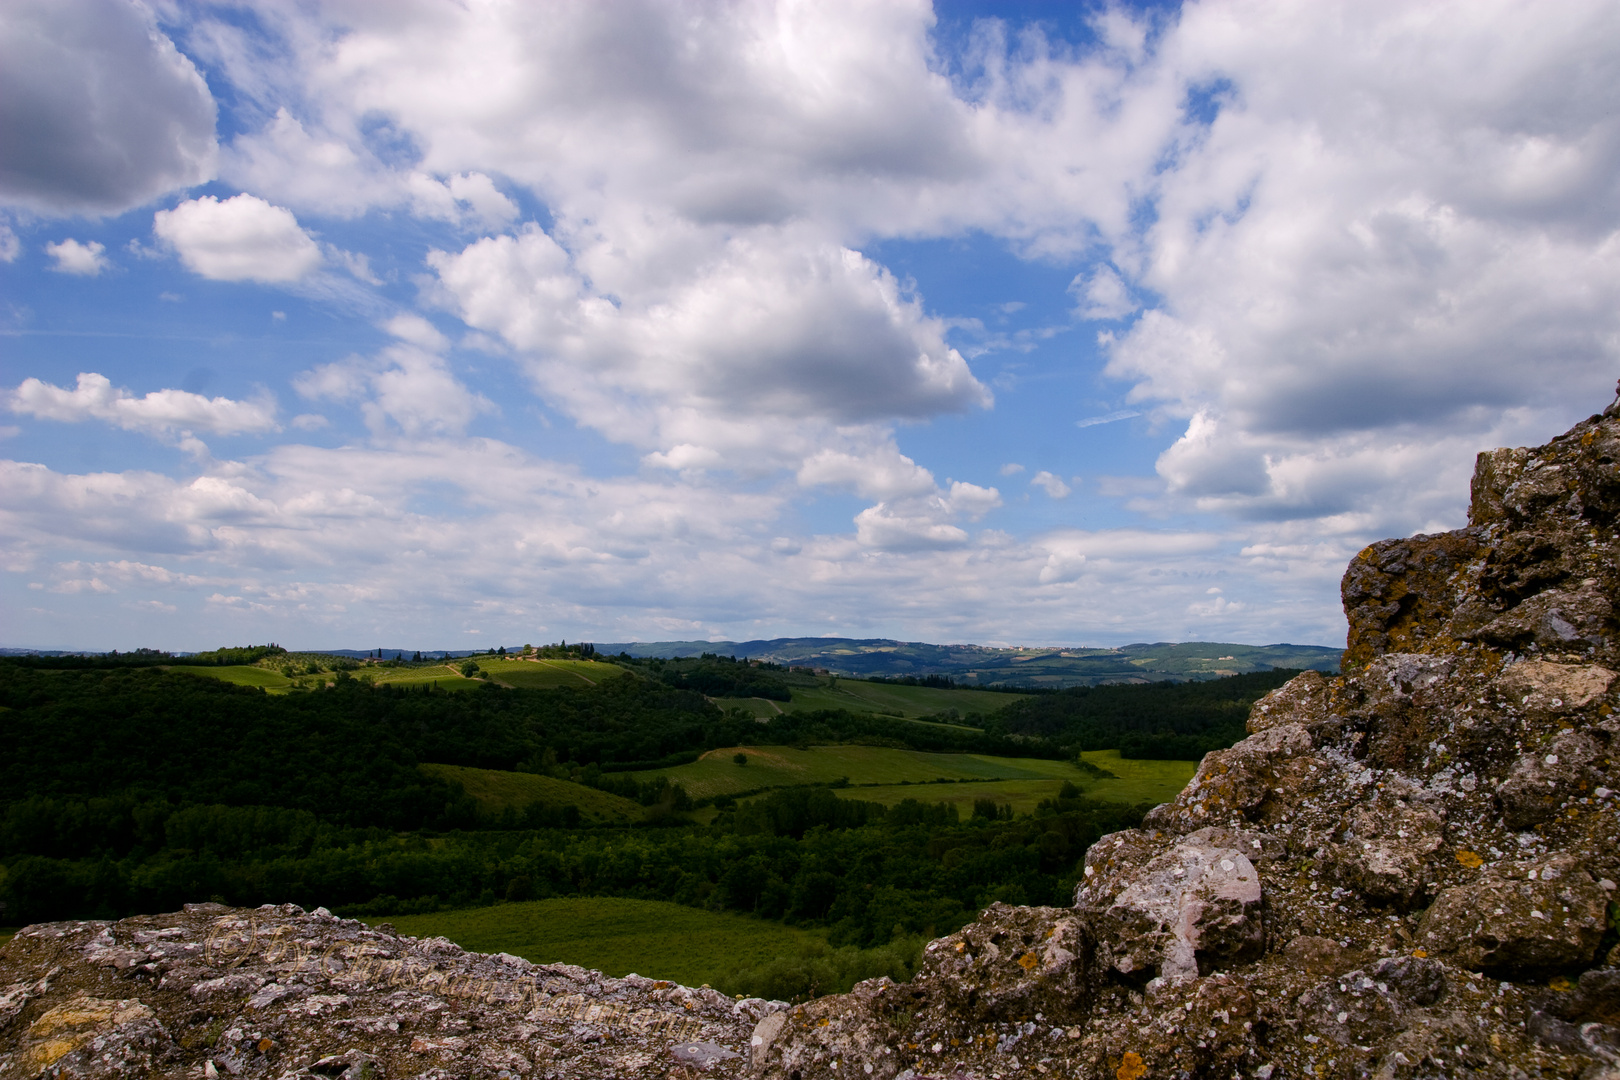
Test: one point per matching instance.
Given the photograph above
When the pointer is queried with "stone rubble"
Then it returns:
(1405, 871)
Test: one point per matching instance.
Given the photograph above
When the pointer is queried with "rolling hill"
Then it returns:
(981, 665)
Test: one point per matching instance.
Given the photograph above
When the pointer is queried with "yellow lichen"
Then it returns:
(1469, 859)
(1130, 1066)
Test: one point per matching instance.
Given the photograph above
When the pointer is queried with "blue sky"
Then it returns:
(1021, 323)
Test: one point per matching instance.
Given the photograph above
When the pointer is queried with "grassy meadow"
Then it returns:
(655, 938)
(506, 671)
(545, 674)
(243, 675)
(886, 775)
(716, 773)
(440, 676)
(1139, 779)
(495, 791)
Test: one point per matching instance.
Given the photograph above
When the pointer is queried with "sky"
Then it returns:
(452, 325)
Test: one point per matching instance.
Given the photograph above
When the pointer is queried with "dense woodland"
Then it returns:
(128, 788)
(1169, 721)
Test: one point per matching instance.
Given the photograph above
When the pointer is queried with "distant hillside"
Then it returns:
(967, 665)
(985, 666)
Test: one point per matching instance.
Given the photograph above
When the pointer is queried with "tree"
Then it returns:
(740, 758)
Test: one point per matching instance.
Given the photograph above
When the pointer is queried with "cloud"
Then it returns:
(242, 238)
(72, 257)
(467, 197)
(1107, 418)
(321, 174)
(924, 522)
(406, 388)
(1348, 245)
(881, 472)
(176, 413)
(1368, 266)
(333, 544)
(1103, 295)
(1052, 485)
(101, 112)
(792, 337)
(10, 246)
(1012, 468)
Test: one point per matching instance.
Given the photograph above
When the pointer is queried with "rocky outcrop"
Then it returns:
(277, 992)
(1404, 871)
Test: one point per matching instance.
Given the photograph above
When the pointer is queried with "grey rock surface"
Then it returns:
(278, 992)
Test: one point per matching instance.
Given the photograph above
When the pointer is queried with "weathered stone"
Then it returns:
(1494, 472)
(1544, 689)
(1541, 782)
(1555, 619)
(1304, 700)
(1399, 594)
(1519, 920)
(1191, 910)
(91, 1036)
(1315, 955)
(1231, 784)
(1369, 1004)
(350, 1001)
(1387, 851)
(1016, 960)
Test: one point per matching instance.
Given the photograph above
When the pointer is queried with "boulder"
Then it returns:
(1556, 619)
(1544, 689)
(91, 1036)
(1305, 699)
(1231, 785)
(1189, 911)
(1388, 850)
(1519, 920)
(1541, 782)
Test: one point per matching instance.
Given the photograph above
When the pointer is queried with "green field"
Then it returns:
(1139, 780)
(649, 937)
(886, 775)
(242, 675)
(1151, 782)
(544, 674)
(715, 773)
(495, 791)
(439, 676)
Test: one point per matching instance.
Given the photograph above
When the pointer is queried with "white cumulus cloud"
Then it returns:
(161, 412)
(242, 238)
(407, 388)
(72, 257)
(1051, 484)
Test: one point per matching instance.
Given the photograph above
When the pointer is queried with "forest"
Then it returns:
(130, 788)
